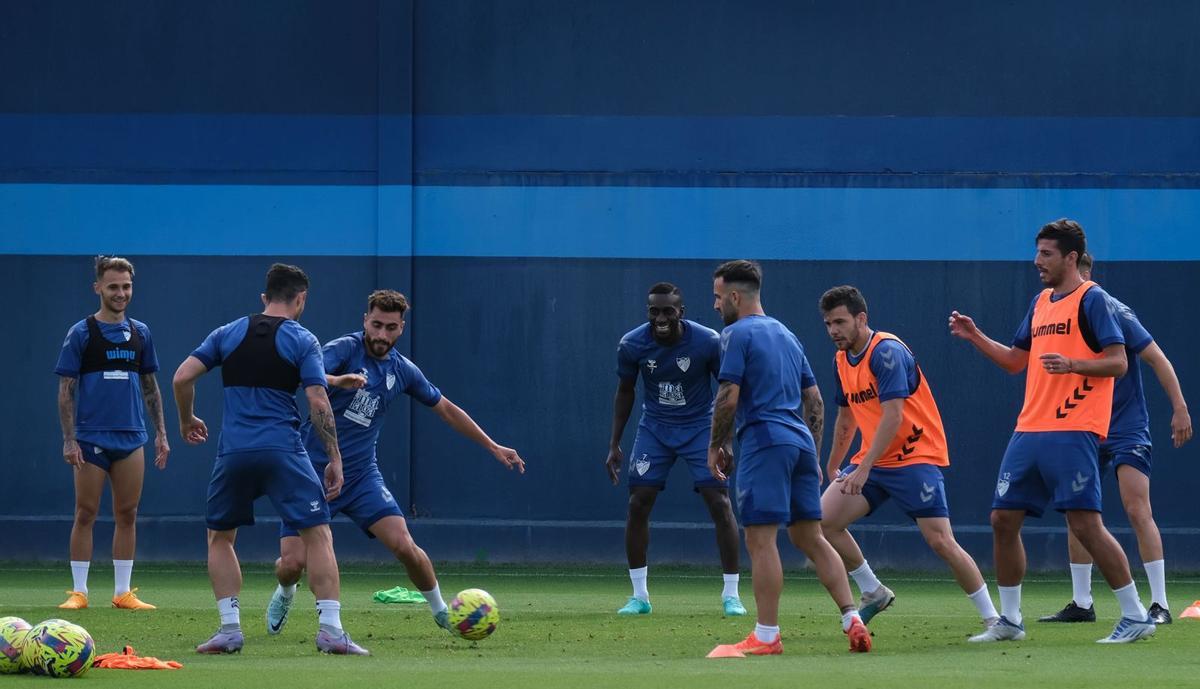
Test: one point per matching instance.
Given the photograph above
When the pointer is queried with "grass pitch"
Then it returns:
(558, 629)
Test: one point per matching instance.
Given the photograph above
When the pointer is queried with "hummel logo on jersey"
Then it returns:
(888, 359)
(1002, 484)
(1080, 482)
(641, 466)
(651, 364)
(387, 495)
(1053, 329)
(863, 396)
(314, 506)
(927, 492)
(97, 450)
(683, 362)
(391, 380)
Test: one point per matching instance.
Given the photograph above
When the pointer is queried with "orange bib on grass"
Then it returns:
(1064, 401)
(921, 439)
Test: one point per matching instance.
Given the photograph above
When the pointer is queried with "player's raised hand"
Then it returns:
(720, 462)
(1181, 427)
(72, 454)
(350, 381)
(333, 480)
(1056, 364)
(963, 326)
(613, 464)
(509, 458)
(161, 450)
(193, 430)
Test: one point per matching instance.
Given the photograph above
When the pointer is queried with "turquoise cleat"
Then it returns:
(277, 612)
(635, 606)
(733, 606)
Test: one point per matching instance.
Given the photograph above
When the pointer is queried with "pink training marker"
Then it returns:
(725, 651)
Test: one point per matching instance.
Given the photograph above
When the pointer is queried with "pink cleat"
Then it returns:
(223, 642)
(339, 645)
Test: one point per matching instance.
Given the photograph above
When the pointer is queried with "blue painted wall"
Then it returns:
(524, 170)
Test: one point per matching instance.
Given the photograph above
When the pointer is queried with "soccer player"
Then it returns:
(1127, 448)
(884, 393)
(677, 359)
(1077, 351)
(765, 382)
(366, 375)
(106, 373)
(263, 359)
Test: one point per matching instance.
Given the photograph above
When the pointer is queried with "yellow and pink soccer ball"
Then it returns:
(58, 648)
(473, 614)
(13, 631)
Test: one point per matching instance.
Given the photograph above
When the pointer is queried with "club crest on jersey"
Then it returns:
(642, 465)
(1002, 484)
(651, 364)
(126, 334)
(683, 362)
(391, 380)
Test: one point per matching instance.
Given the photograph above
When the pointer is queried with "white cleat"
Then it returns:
(1000, 630)
(1128, 630)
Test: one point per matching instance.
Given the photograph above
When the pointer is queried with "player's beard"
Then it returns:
(375, 344)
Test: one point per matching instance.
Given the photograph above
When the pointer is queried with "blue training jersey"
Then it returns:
(359, 413)
(1130, 424)
(676, 379)
(109, 410)
(767, 362)
(898, 381)
(263, 418)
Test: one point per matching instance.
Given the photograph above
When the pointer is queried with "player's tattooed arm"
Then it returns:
(724, 409)
(814, 413)
(153, 398)
(323, 421)
(66, 416)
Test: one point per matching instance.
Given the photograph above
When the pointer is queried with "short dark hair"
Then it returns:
(284, 282)
(1067, 234)
(665, 288)
(844, 295)
(740, 271)
(107, 263)
(388, 301)
(1086, 262)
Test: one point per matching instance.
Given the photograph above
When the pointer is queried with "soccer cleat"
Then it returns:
(1000, 630)
(1129, 629)
(733, 606)
(860, 637)
(635, 606)
(328, 642)
(75, 601)
(223, 642)
(751, 646)
(1072, 613)
(130, 601)
(277, 612)
(1159, 614)
(875, 602)
(443, 620)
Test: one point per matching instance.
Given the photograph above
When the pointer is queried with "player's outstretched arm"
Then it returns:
(66, 417)
(1181, 421)
(1011, 359)
(460, 421)
(191, 428)
(844, 428)
(720, 460)
(152, 396)
(622, 408)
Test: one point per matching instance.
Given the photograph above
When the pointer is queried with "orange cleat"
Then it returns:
(75, 601)
(751, 646)
(860, 637)
(130, 601)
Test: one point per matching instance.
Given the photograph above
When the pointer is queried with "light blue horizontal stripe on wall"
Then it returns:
(591, 222)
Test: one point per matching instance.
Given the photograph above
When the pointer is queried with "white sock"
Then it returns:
(79, 572)
(1081, 584)
(1010, 603)
(865, 578)
(848, 617)
(766, 634)
(231, 613)
(1131, 607)
(122, 573)
(731, 586)
(1157, 573)
(286, 592)
(329, 614)
(638, 577)
(435, 600)
(983, 602)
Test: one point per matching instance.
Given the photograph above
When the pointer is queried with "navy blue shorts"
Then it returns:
(104, 457)
(365, 499)
(919, 489)
(1057, 467)
(656, 448)
(779, 484)
(286, 478)
(1137, 456)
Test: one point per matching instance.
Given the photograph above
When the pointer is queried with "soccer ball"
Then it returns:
(473, 614)
(12, 640)
(59, 649)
